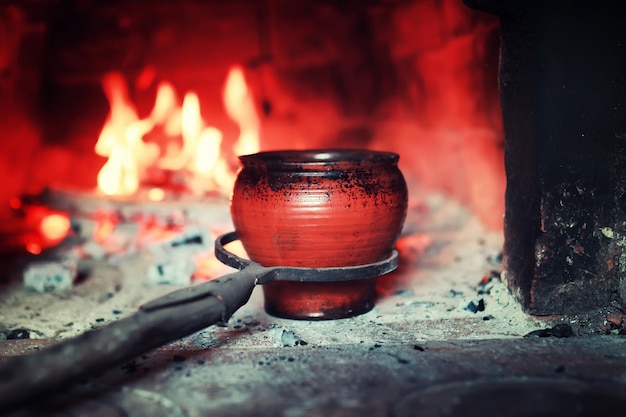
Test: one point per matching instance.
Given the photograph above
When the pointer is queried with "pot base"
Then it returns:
(319, 300)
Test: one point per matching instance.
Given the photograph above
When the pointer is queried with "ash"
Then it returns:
(447, 287)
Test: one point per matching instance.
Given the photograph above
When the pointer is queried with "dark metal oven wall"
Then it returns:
(563, 89)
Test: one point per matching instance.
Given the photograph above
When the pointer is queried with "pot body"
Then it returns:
(319, 208)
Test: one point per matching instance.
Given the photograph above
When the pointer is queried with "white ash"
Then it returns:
(50, 276)
(171, 270)
(90, 249)
(283, 337)
(445, 251)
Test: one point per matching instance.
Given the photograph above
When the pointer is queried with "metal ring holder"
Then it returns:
(298, 274)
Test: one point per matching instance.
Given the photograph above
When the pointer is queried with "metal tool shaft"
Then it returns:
(161, 321)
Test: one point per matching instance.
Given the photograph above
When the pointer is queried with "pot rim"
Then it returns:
(325, 157)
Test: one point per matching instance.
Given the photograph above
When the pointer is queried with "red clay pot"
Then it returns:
(319, 208)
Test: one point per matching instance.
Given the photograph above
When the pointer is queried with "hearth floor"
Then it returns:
(421, 347)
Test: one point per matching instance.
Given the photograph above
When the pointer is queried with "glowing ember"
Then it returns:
(33, 248)
(55, 226)
(190, 145)
(208, 266)
(156, 194)
(104, 227)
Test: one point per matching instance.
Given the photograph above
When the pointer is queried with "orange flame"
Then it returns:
(239, 104)
(191, 145)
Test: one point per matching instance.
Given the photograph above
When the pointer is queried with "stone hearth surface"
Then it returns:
(445, 337)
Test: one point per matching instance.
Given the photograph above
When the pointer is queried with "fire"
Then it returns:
(55, 226)
(104, 227)
(43, 227)
(33, 248)
(239, 105)
(190, 146)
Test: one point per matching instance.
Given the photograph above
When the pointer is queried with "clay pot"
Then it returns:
(319, 208)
